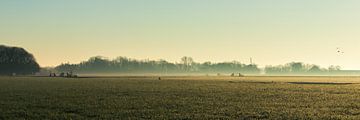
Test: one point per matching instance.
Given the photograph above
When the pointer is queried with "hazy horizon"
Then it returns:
(271, 32)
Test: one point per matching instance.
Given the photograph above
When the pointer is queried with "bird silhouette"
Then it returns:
(339, 50)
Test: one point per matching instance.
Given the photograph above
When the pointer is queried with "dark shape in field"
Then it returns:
(52, 75)
(159, 78)
(62, 74)
(240, 75)
(71, 75)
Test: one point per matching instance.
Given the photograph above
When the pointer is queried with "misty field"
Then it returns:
(180, 98)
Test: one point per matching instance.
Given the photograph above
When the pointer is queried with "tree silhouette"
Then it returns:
(297, 67)
(15, 60)
(187, 63)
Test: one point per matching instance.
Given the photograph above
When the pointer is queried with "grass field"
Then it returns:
(180, 98)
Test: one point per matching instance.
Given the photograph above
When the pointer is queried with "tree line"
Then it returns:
(299, 68)
(127, 65)
(187, 65)
(17, 61)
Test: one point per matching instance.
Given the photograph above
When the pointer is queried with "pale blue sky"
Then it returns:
(272, 32)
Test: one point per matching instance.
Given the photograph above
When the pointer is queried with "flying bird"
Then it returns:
(339, 51)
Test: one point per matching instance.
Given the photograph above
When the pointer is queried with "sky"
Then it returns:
(271, 32)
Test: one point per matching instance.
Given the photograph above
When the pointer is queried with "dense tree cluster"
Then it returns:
(15, 60)
(126, 65)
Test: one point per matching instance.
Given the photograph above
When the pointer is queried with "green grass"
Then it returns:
(180, 98)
